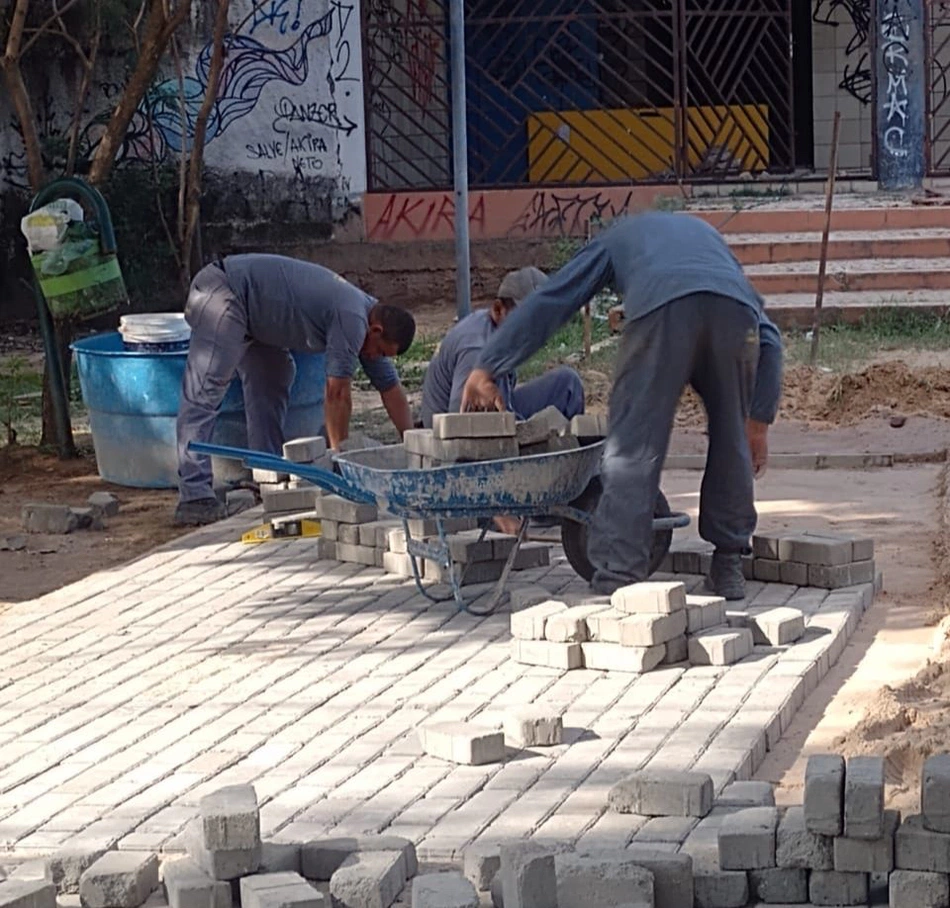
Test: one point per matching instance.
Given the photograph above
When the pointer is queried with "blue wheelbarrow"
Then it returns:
(563, 485)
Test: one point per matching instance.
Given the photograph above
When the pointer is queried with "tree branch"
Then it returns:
(36, 33)
(20, 97)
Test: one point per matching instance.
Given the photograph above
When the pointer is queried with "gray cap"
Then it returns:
(516, 285)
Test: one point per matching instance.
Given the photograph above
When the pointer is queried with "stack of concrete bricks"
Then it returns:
(643, 626)
(285, 493)
(826, 560)
(226, 865)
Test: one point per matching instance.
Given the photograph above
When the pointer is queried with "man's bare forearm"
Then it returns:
(337, 408)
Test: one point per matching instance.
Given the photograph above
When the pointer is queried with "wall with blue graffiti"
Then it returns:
(289, 108)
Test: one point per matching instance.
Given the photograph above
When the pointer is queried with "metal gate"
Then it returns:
(938, 87)
(564, 92)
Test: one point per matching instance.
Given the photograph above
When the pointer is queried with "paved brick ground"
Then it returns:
(126, 697)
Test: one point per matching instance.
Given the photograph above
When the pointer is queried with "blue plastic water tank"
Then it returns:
(132, 398)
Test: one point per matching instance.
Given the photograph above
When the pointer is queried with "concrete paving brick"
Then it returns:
(815, 550)
(356, 554)
(777, 626)
(468, 547)
(27, 894)
(588, 425)
(824, 794)
(268, 477)
(918, 848)
(779, 886)
(482, 861)
(864, 798)
(614, 657)
(656, 793)
(677, 651)
(528, 876)
(469, 450)
(935, 793)
(566, 627)
(747, 794)
(564, 656)
(368, 879)
(68, 865)
(720, 647)
(279, 890)
(290, 500)
(672, 874)
(665, 829)
(333, 507)
(230, 818)
(654, 597)
(320, 858)
(704, 612)
(305, 450)
(868, 855)
(443, 890)
(280, 857)
(714, 887)
(460, 742)
(767, 571)
(603, 880)
(105, 502)
(532, 555)
(747, 839)
(56, 519)
(916, 889)
(766, 545)
(533, 726)
(473, 425)
(603, 625)
(828, 887)
(186, 885)
(119, 879)
(649, 630)
(399, 564)
(529, 623)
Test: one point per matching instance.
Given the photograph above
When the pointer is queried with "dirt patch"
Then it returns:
(881, 389)
(50, 562)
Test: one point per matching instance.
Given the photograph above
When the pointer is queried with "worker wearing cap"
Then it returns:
(461, 347)
(246, 313)
(692, 318)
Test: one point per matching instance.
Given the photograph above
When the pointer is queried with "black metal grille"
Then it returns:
(938, 96)
(582, 91)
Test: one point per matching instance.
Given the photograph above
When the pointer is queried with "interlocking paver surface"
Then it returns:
(128, 696)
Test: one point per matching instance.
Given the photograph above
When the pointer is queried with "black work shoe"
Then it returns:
(199, 513)
(725, 576)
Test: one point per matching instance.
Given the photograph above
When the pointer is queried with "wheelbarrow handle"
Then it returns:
(326, 480)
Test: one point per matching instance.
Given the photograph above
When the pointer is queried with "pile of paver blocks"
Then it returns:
(226, 865)
(359, 534)
(826, 560)
(643, 626)
(471, 437)
(60, 519)
(690, 848)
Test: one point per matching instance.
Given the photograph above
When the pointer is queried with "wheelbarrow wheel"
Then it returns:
(574, 534)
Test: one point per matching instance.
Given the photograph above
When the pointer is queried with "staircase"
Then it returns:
(881, 253)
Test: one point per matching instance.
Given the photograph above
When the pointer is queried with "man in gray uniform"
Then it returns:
(693, 318)
(460, 349)
(246, 313)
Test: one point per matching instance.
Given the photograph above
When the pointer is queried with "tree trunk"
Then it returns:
(19, 96)
(65, 332)
(196, 157)
(158, 32)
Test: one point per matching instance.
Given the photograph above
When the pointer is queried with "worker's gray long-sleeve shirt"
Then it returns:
(650, 259)
(308, 308)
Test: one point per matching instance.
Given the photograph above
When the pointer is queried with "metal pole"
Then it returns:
(823, 260)
(463, 265)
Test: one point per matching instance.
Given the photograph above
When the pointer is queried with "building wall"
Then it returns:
(842, 81)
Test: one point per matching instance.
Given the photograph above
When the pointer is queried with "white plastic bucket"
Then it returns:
(155, 332)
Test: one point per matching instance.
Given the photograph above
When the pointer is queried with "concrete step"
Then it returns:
(895, 274)
(802, 216)
(774, 248)
(796, 310)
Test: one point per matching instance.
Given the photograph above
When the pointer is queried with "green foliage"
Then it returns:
(20, 389)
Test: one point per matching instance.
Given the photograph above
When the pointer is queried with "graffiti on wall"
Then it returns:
(856, 79)
(289, 102)
(559, 213)
(895, 98)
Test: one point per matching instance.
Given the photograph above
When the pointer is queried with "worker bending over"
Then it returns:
(692, 318)
(246, 313)
(450, 367)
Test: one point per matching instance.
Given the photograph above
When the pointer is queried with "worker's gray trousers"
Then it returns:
(221, 348)
(561, 388)
(711, 343)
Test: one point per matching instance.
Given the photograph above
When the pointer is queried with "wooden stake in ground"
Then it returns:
(829, 202)
(587, 320)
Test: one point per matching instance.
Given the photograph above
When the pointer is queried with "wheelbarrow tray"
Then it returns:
(521, 486)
